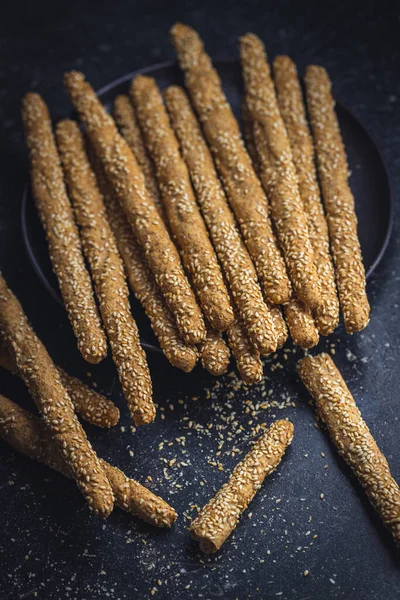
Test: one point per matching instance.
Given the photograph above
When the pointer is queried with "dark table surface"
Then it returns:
(311, 514)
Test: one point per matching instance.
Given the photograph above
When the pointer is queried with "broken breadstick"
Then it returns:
(336, 407)
(142, 282)
(29, 435)
(247, 358)
(244, 190)
(107, 271)
(124, 115)
(124, 174)
(217, 520)
(62, 234)
(180, 204)
(277, 171)
(214, 353)
(338, 200)
(229, 246)
(292, 109)
(90, 405)
(43, 382)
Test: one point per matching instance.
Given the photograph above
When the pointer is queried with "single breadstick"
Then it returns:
(124, 115)
(90, 405)
(180, 204)
(217, 520)
(247, 357)
(43, 382)
(143, 284)
(62, 234)
(350, 434)
(301, 324)
(231, 251)
(338, 200)
(29, 435)
(277, 171)
(125, 176)
(214, 353)
(107, 271)
(280, 326)
(244, 190)
(292, 108)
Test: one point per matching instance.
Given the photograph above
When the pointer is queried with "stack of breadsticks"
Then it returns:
(226, 245)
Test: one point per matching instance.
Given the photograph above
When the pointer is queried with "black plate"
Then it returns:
(369, 182)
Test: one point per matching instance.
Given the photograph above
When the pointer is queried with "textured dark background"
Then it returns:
(49, 547)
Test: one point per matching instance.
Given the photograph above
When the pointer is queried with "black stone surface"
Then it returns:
(49, 546)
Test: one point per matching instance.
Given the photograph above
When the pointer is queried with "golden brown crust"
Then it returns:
(124, 174)
(338, 200)
(337, 408)
(90, 405)
(280, 326)
(180, 204)
(247, 358)
(293, 112)
(277, 171)
(40, 375)
(108, 273)
(29, 435)
(301, 324)
(231, 251)
(217, 520)
(62, 234)
(214, 353)
(143, 284)
(125, 117)
(244, 190)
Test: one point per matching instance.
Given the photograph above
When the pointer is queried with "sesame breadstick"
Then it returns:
(247, 357)
(143, 284)
(277, 171)
(214, 353)
(62, 234)
(107, 271)
(301, 324)
(29, 435)
(338, 200)
(244, 190)
(124, 115)
(337, 408)
(292, 108)
(43, 382)
(183, 214)
(125, 176)
(280, 326)
(231, 251)
(90, 405)
(217, 520)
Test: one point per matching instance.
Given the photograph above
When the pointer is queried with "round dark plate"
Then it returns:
(369, 182)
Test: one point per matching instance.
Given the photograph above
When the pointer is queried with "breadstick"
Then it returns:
(350, 434)
(217, 520)
(183, 214)
(231, 251)
(90, 405)
(107, 271)
(301, 324)
(244, 190)
(142, 282)
(247, 357)
(43, 382)
(280, 327)
(277, 171)
(126, 120)
(29, 435)
(214, 353)
(292, 108)
(338, 200)
(62, 234)
(124, 174)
